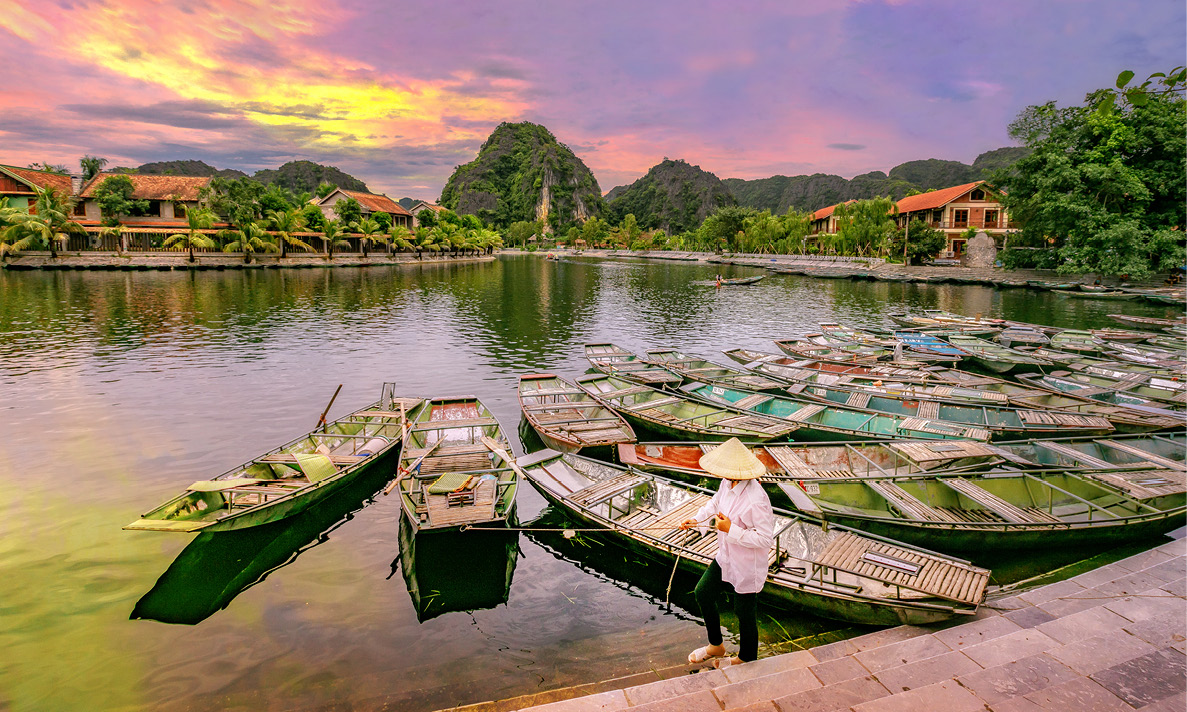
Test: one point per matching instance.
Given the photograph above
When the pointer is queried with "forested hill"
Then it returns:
(522, 173)
(674, 195)
(805, 193)
(305, 176)
(187, 168)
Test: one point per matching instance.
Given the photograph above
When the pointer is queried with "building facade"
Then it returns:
(369, 204)
(170, 198)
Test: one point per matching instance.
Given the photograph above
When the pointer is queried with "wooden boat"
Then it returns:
(430, 568)
(291, 478)
(1171, 391)
(616, 361)
(455, 469)
(997, 358)
(1077, 341)
(1147, 322)
(740, 281)
(1106, 391)
(837, 354)
(1123, 452)
(1124, 336)
(1165, 360)
(675, 415)
(1115, 296)
(568, 419)
(1024, 335)
(778, 366)
(836, 333)
(948, 320)
(886, 349)
(696, 369)
(833, 572)
(928, 343)
(1171, 343)
(973, 513)
(1103, 366)
(1001, 422)
(834, 422)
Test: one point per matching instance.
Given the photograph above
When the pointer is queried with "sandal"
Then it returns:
(726, 662)
(701, 655)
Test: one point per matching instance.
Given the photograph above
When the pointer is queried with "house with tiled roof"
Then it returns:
(19, 185)
(954, 210)
(370, 204)
(824, 221)
(420, 205)
(170, 198)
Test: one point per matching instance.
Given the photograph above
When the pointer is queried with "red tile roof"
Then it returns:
(825, 212)
(376, 203)
(935, 199)
(41, 179)
(146, 187)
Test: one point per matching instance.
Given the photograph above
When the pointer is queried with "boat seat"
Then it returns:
(793, 465)
(652, 404)
(804, 413)
(1149, 457)
(603, 490)
(563, 405)
(459, 423)
(916, 570)
(907, 504)
(751, 401)
(858, 400)
(1069, 420)
(624, 392)
(997, 505)
(1147, 484)
(929, 410)
(1084, 459)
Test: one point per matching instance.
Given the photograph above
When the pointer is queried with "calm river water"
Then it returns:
(118, 389)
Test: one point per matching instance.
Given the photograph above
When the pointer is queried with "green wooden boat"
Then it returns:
(676, 415)
(997, 358)
(455, 469)
(1132, 452)
(833, 572)
(846, 353)
(788, 369)
(291, 478)
(845, 338)
(976, 513)
(742, 281)
(1077, 341)
(1171, 391)
(1001, 422)
(938, 318)
(430, 568)
(1117, 368)
(1112, 296)
(1060, 384)
(616, 361)
(568, 419)
(697, 369)
(832, 422)
(1147, 322)
(1167, 361)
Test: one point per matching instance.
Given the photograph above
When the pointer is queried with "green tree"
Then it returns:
(197, 220)
(720, 230)
(595, 231)
(427, 218)
(237, 200)
(332, 237)
(923, 242)
(324, 189)
(49, 167)
(284, 224)
(114, 196)
(248, 238)
(276, 199)
(865, 227)
(348, 211)
(314, 218)
(370, 232)
(519, 232)
(91, 166)
(47, 226)
(384, 220)
(1105, 180)
(402, 239)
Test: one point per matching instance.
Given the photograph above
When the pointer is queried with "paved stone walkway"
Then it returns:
(1111, 639)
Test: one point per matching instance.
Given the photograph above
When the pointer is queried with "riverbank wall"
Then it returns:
(164, 262)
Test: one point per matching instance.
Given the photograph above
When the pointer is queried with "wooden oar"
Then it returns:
(321, 422)
(494, 447)
(408, 470)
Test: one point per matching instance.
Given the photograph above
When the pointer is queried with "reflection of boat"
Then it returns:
(217, 566)
(568, 419)
(292, 477)
(834, 572)
(453, 469)
(456, 571)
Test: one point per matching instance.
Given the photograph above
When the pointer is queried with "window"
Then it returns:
(960, 218)
(990, 218)
(80, 209)
(977, 194)
(154, 209)
(179, 211)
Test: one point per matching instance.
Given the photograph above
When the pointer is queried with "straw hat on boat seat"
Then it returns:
(733, 461)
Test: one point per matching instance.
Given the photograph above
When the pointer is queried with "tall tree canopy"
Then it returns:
(1104, 182)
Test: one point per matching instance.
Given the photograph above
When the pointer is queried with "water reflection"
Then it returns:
(450, 571)
(216, 567)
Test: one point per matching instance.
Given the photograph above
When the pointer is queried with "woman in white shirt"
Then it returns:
(741, 513)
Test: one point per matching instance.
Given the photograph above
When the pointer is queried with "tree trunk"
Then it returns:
(191, 252)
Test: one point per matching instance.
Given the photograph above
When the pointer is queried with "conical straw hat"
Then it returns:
(732, 461)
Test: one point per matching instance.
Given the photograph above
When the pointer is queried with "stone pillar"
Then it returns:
(979, 251)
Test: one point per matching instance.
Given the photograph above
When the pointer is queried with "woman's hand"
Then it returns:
(723, 523)
(688, 524)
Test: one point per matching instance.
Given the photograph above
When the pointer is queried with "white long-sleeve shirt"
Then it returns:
(743, 552)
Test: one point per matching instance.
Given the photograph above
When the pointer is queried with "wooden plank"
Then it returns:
(907, 503)
(1066, 451)
(858, 399)
(751, 401)
(805, 412)
(1149, 457)
(993, 503)
(459, 423)
(929, 410)
(793, 465)
(652, 404)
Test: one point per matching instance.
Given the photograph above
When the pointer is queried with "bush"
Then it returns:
(1029, 258)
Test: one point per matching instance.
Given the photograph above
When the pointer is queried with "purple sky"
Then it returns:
(398, 94)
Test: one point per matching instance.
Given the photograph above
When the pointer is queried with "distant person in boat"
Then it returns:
(718, 280)
(741, 513)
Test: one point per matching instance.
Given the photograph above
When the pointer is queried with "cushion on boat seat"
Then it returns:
(451, 482)
(316, 467)
(219, 485)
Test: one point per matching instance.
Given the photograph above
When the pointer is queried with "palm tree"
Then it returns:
(403, 240)
(332, 237)
(114, 231)
(200, 219)
(48, 225)
(369, 231)
(285, 223)
(247, 239)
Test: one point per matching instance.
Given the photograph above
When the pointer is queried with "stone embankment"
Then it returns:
(159, 261)
(1109, 639)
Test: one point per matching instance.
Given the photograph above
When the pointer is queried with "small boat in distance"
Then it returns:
(740, 281)
(291, 478)
(455, 469)
(568, 419)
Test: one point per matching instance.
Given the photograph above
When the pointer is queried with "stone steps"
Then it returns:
(1108, 639)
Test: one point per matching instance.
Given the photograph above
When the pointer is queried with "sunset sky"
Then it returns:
(397, 93)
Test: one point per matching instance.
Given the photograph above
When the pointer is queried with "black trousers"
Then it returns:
(745, 607)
